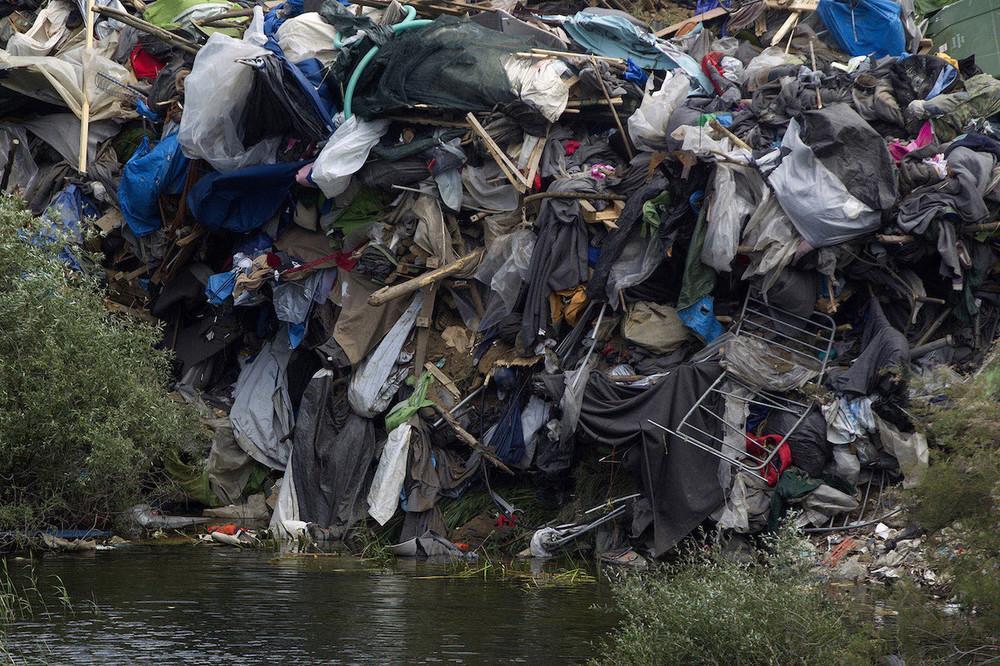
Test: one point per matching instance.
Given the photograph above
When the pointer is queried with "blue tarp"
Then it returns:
(875, 28)
(148, 174)
(244, 199)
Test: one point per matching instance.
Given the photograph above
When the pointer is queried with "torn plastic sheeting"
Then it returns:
(647, 127)
(48, 30)
(345, 153)
(909, 450)
(59, 80)
(383, 495)
(215, 101)
(370, 393)
(815, 200)
(737, 192)
(307, 36)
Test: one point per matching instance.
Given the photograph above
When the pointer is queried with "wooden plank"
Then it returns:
(789, 23)
(793, 5)
(705, 16)
(443, 379)
(508, 168)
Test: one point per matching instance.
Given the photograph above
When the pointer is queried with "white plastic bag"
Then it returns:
(737, 191)
(383, 496)
(215, 97)
(345, 153)
(647, 127)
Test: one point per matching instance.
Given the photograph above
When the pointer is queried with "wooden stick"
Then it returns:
(386, 294)
(706, 16)
(570, 54)
(536, 157)
(572, 195)
(85, 89)
(737, 141)
(812, 54)
(614, 111)
(508, 168)
(789, 23)
(468, 439)
(147, 27)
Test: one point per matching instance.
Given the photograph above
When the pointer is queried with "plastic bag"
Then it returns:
(736, 193)
(383, 496)
(819, 205)
(755, 73)
(215, 98)
(345, 153)
(647, 127)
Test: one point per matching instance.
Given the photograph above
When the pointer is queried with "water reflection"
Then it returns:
(214, 604)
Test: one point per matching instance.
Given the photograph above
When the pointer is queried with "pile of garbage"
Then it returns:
(405, 253)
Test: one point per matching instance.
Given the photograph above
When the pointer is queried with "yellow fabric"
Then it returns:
(568, 304)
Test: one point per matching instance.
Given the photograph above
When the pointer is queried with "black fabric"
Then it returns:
(277, 106)
(614, 243)
(332, 454)
(885, 351)
(559, 259)
(451, 64)
(679, 480)
(854, 152)
(810, 449)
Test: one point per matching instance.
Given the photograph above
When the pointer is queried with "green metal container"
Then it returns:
(970, 27)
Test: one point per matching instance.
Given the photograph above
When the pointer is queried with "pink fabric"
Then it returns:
(925, 137)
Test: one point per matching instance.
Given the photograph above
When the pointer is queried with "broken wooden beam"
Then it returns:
(460, 265)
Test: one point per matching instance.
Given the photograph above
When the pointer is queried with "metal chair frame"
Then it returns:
(802, 340)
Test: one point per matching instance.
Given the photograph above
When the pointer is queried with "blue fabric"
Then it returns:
(635, 74)
(875, 29)
(244, 199)
(945, 78)
(147, 175)
(296, 333)
(220, 287)
(143, 110)
(699, 317)
(64, 216)
(508, 437)
(617, 37)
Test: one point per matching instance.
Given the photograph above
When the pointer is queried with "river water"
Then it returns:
(201, 604)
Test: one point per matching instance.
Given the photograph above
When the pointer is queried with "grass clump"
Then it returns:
(707, 608)
(84, 410)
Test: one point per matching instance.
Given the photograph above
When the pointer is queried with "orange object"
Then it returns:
(229, 529)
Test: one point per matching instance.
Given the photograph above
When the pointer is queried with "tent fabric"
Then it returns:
(262, 414)
(865, 27)
(333, 450)
(617, 37)
(679, 481)
(149, 174)
(242, 200)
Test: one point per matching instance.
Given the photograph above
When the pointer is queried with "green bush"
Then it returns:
(706, 608)
(84, 411)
